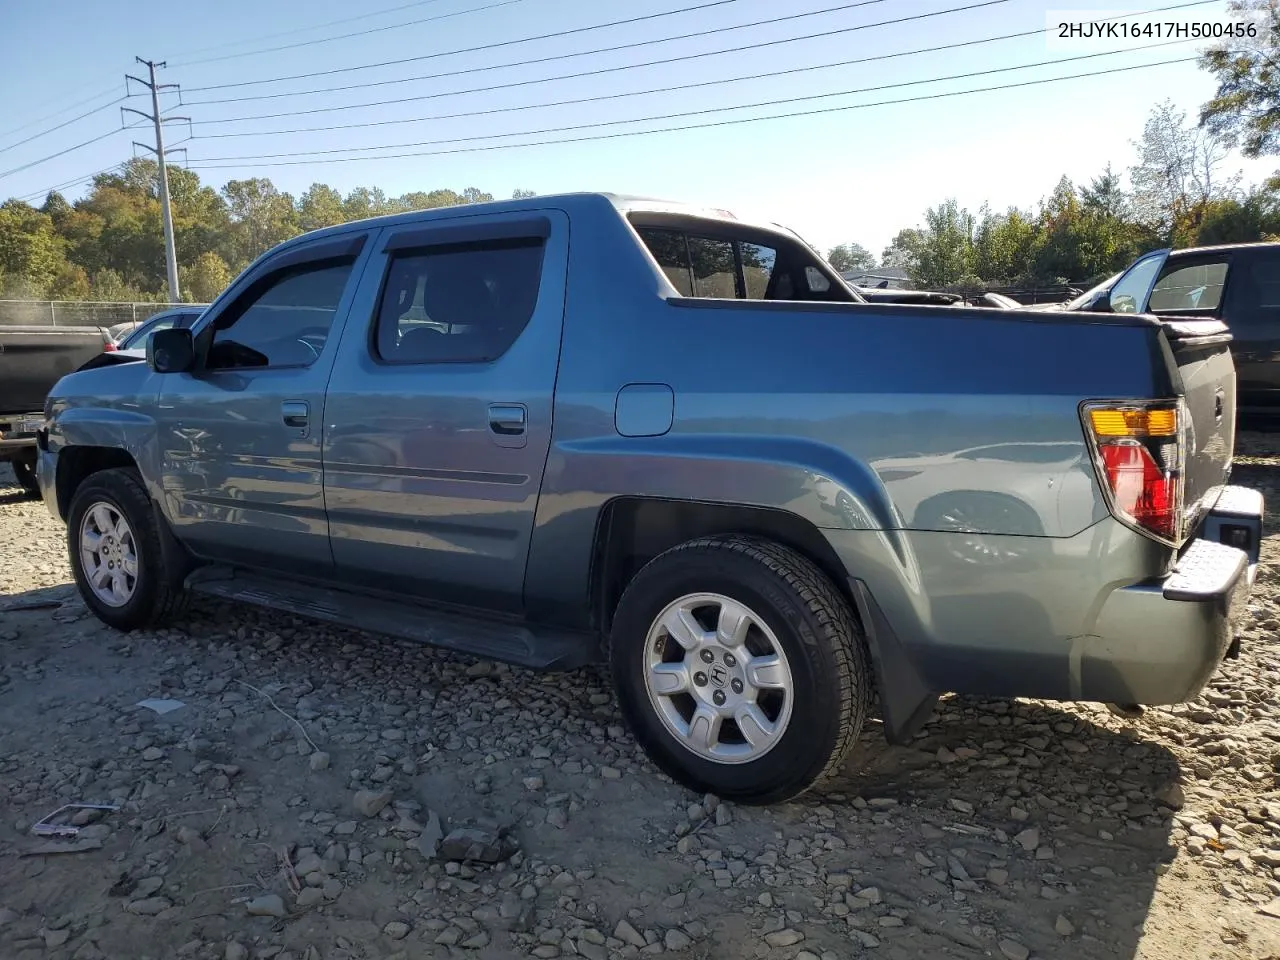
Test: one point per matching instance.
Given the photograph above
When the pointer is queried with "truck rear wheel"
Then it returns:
(24, 469)
(739, 668)
(114, 544)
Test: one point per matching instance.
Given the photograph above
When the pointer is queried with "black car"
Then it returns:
(1238, 284)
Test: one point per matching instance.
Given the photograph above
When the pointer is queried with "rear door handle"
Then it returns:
(507, 419)
(295, 413)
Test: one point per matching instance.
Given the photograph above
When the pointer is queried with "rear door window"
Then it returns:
(1253, 295)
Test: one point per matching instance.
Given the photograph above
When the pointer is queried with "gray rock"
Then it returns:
(1013, 950)
(724, 816)
(1063, 927)
(369, 803)
(481, 846)
(7, 917)
(961, 806)
(346, 828)
(625, 932)
(146, 887)
(557, 818)
(319, 761)
(310, 896)
(235, 951)
(476, 940)
(332, 888)
(268, 905)
(783, 938)
(152, 754)
(56, 938)
(396, 930)
(676, 939)
(428, 841)
(1028, 839)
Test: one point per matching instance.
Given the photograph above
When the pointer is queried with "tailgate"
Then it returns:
(1201, 351)
(33, 359)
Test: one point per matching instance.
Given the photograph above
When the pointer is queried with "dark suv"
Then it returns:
(1236, 283)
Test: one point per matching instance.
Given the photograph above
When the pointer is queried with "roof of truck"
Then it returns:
(624, 203)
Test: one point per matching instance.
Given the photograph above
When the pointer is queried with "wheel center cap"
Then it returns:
(718, 674)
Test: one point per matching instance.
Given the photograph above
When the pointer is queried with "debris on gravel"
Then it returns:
(326, 794)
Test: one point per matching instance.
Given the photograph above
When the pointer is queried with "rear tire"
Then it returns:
(113, 540)
(740, 668)
(24, 469)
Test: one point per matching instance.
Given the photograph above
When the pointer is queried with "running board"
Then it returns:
(480, 637)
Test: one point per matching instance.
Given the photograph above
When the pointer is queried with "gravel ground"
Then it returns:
(294, 806)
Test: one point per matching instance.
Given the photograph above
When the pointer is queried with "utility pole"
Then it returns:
(170, 256)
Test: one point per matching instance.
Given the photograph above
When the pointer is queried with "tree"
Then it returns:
(903, 249)
(1245, 110)
(1179, 171)
(519, 194)
(850, 256)
(320, 206)
(207, 277)
(945, 252)
(261, 217)
(30, 250)
(71, 283)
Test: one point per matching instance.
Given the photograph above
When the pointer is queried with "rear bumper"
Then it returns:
(1160, 641)
(18, 434)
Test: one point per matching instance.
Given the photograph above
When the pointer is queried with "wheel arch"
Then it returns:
(631, 531)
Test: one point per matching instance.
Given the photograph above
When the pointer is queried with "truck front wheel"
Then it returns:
(114, 544)
(739, 668)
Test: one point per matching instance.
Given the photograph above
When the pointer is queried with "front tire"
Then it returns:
(114, 544)
(740, 668)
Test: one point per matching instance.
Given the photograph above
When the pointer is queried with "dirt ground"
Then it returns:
(289, 807)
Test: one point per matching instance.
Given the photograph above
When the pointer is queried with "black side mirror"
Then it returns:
(171, 351)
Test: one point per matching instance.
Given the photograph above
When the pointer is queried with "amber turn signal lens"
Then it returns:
(1130, 422)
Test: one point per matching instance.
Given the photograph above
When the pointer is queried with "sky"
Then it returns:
(858, 171)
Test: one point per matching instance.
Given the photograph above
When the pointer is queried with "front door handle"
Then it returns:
(507, 419)
(295, 413)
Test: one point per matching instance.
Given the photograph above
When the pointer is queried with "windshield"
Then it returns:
(1092, 292)
(138, 339)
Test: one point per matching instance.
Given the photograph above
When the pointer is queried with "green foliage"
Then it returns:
(30, 250)
(1245, 109)
(207, 277)
(851, 256)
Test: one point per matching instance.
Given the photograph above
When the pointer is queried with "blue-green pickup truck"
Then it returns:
(585, 427)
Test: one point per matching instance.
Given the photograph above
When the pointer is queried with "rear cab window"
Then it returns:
(712, 260)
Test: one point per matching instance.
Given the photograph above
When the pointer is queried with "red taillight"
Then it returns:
(1139, 449)
(108, 347)
(1140, 488)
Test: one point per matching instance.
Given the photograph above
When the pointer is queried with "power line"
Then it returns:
(66, 109)
(503, 43)
(315, 26)
(695, 113)
(65, 123)
(626, 46)
(559, 103)
(60, 153)
(359, 33)
(209, 165)
(74, 181)
(501, 86)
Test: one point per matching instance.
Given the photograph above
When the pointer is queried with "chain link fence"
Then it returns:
(77, 313)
